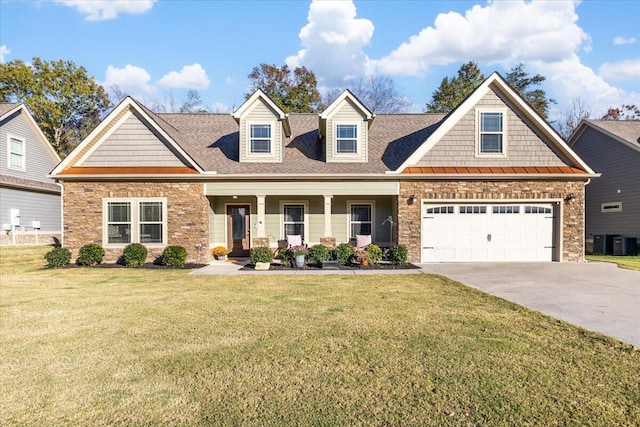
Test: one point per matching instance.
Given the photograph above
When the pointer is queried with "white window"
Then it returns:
(135, 221)
(347, 138)
(536, 210)
(16, 153)
(611, 207)
(294, 218)
(260, 138)
(360, 219)
(491, 135)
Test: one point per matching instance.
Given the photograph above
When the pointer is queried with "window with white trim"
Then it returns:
(133, 220)
(611, 207)
(347, 139)
(473, 209)
(16, 153)
(260, 138)
(293, 219)
(360, 219)
(491, 125)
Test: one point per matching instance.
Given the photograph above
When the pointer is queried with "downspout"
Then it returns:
(584, 225)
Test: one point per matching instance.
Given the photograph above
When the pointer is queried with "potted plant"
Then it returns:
(362, 256)
(220, 253)
(261, 257)
(299, 252)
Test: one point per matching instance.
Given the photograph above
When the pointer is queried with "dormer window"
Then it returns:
(491, 133)
(347, 138)
(260, 138)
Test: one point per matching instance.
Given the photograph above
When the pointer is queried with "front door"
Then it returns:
(238, 230)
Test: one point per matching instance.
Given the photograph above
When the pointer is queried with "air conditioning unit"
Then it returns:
(625, 246)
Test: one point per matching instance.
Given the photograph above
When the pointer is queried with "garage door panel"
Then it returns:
(490, 232)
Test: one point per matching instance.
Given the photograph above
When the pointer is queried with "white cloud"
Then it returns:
(4, 50)
(624, 70)
(519, 32)
(622, 40)
(100, 10)
(190, 77)
(333, 41)
(131, 80)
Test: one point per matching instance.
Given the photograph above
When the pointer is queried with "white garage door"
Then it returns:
(487, 232)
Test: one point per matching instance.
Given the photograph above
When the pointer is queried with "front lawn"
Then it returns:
(628, 262)
(159, 347)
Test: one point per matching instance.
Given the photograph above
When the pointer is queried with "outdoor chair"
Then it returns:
(362, 241)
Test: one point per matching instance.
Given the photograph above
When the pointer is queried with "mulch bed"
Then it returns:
(381, 266)
(145, 266)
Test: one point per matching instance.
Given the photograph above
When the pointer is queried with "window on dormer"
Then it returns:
(347, 138)
(260, 138)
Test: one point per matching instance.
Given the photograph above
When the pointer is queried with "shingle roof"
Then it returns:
(28, 184)
(212, 141)
(5, 107)
(628, 130)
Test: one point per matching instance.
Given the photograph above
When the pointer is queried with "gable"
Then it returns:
(132, 143)
(529, 130)
(39, 156)
(523, 146)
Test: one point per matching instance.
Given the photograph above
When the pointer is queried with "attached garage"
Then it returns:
(455, 232)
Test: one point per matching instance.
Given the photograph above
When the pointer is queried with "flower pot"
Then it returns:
(364, 263)
(299, 261)
(221, 257)
(262, 265)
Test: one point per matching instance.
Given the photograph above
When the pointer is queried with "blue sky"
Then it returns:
(151, 49)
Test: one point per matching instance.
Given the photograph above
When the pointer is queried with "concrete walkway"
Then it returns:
(595, 295)
(598, 296)
(233, 268)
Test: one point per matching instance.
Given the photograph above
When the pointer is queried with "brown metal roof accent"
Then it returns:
(436, 170)
(76, 170)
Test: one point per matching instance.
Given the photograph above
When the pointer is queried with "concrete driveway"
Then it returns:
(595, 295)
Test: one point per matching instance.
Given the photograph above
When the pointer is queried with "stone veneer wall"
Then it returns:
(187, 214)
(29, 238)
(409, 215)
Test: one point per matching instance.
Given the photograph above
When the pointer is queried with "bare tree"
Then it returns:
(379, 94)
(569, 120)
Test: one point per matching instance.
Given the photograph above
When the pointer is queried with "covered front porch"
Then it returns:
(247, 214)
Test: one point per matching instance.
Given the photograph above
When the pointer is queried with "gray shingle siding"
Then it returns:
(133, 144)
(620, 169)
(524, 146)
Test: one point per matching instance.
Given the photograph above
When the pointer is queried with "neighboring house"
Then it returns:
(612, 148)
(491, 181)
(28, 197)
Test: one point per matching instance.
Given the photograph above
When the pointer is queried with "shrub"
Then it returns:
(285, 256)
(58, 257)
(399, 254)
(260, 254)
(134, 255)
(318, 253)
(375, 253)
(90, 254)
(345, 253)
(174, 256)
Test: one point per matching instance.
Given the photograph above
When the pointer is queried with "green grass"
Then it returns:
(628, 262)
(158, 347)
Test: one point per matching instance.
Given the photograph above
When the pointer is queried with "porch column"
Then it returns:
(260, 229)
(327, 216)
